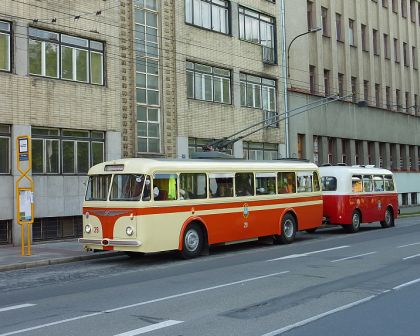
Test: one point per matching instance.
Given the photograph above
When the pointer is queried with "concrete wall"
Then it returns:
(6, 197)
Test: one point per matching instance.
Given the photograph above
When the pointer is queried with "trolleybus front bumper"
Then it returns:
(110, 242)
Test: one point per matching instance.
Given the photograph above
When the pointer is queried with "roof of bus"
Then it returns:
(353, 170)
(148, 166)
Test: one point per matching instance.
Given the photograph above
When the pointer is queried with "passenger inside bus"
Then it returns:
(287, 183)
(356, 184)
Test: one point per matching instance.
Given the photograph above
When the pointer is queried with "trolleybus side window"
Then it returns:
(192, 186)
(244, 184)
(367, 183)
(304, 182)
(389, 183)
(286, 182)
(98, 188)
(165, 186)
(221, 185)
(126, 187)
(356, 183)
(316, 182)
(378, 183)
(266, 183)
(329, 183)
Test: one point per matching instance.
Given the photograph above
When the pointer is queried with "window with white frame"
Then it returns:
(57, 151)
(148, 129)
(258, 92)
(209, 14)
(256, 27)
(5, 149)
(5, 57)
(260, 151)
(205, 82)
(79, 59)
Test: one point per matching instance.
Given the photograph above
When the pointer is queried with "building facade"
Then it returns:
(204, 70)
(365, 51)
(60, 80)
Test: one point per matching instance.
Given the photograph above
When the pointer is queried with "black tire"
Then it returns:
(311, 230)
(134, 255)
(288, 230)
(192, 241)
(389, 219)
(355, 223)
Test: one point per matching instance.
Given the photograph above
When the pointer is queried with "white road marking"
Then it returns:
(17, 307)
(411, 257)
(143, 303)
(353, 257)
(406, 284)
(309, 253)
(150, 328)
(317, 317)
(408, 245)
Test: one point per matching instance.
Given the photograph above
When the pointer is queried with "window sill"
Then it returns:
(208, 29)
(209, 101)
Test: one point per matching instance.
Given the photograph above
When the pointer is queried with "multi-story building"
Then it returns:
(60, 83)
(204, 69)
(365, 51)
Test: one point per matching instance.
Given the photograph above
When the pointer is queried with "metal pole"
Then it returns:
(285, 77)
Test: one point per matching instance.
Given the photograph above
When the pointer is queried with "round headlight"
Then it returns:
(88, 228)
(129, 231)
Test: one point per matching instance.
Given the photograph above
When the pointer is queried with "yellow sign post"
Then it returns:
(24, 195)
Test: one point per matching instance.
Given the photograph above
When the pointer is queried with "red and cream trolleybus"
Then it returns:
(358, 194)
(151, 205)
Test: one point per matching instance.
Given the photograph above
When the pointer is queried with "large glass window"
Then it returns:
(57, 151)
(165, 186)
(260, 151)
(5, 57)
(221, 185)
(98, 187)
(209, 14)
(286, 182)
(209, 83)
(4, 149)
(265, 183)
(256, 27)
(258, 92)
(80, 59)
(147, 76)
(244, 184)
(192, 186)
(126, 187)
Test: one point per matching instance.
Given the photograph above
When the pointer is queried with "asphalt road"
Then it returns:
(327, 283)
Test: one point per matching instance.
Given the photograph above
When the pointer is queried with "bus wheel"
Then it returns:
(288, 230)
(355, 223)
(192, 242)
(389, 219)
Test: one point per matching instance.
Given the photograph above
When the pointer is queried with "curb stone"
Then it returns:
(56, 261)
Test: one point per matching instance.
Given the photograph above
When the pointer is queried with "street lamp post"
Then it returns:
(286, 73)
(313, 30)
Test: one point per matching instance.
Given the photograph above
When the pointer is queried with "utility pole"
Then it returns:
(284, 76)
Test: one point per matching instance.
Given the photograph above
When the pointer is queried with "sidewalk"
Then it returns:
(47, 253)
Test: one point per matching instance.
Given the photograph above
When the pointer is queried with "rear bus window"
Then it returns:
(165, 186)
(244, 184)
(389, 183)
(286, 182)
(192, 186)
(266, 183)
(304, 182)
(329, 183)
(316, 182)
(221, 185)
